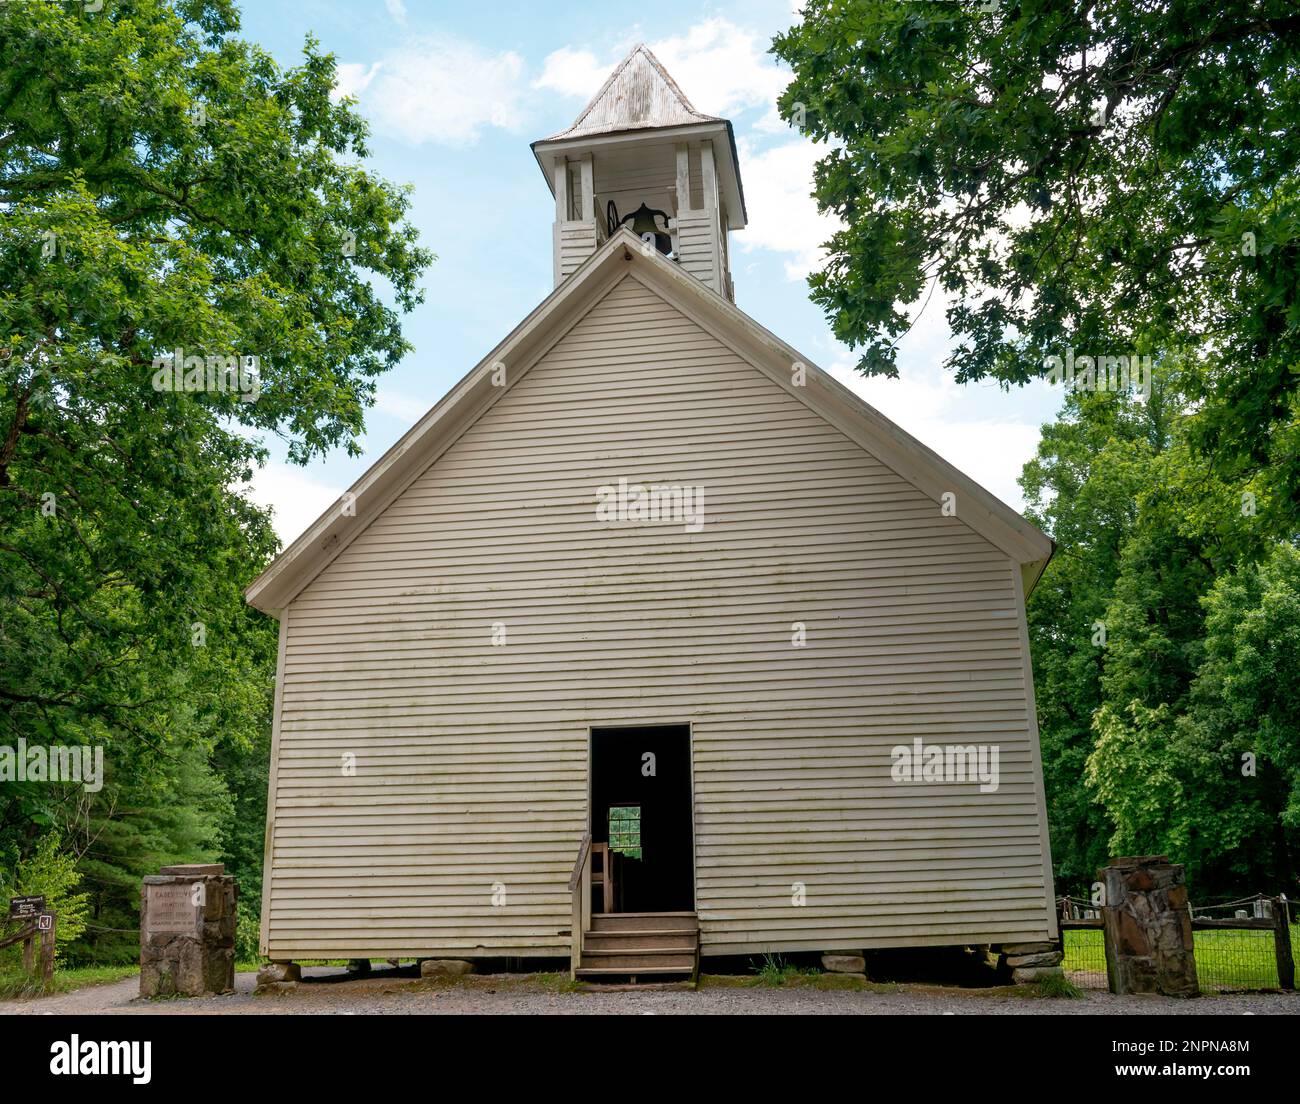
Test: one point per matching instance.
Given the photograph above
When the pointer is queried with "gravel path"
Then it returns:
(386, 994)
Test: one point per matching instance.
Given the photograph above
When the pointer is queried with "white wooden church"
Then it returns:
(650, 640)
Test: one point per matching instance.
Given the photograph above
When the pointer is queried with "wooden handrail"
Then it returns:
(584, 848)
(580, 888)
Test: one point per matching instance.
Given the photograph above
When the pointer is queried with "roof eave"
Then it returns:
(369, 496)
(910, 458)
(334, 530)
(553, 146)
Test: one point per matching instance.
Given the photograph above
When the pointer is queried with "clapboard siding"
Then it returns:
(574, 242)
(697, 246)
(471, 760)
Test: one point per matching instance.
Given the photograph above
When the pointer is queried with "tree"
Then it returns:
(191, 252)
(172, 809)
(1082, 487)
(1236, 745)
(1131, 626)
(1104, 176)
(1216, 781)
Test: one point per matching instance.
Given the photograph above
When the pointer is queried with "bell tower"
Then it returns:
(639, 155)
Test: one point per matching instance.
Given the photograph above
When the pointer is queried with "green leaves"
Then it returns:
(1096, 163)
(165, 186)
(1216, 782)
(1103, 178)
(1144, 730)
(51, 873)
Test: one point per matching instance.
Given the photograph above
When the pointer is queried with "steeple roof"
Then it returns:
(639, 94)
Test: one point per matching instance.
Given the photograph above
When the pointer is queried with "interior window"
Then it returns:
(625, 830)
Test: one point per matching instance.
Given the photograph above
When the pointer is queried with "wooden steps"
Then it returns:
(644, 921)
(635, 945)
(653, 939)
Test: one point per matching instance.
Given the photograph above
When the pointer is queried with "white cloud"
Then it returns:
(446, 90)
(441, 90)
(573, 72)
(352, 78)
(963, 423)
(721, 67)
(783, 215)
(404, 408)
(295, 499)
(929, 405)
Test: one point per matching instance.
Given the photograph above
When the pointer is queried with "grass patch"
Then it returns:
(1227, 959)
(776, 972)
(557, 983)
(725, 981)
(1057, 988)
(20, 985)
(1085, 956)
(819, 980)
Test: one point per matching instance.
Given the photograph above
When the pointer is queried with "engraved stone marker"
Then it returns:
(187, 932)
(170, 908)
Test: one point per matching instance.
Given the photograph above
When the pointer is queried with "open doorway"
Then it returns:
(641, 810)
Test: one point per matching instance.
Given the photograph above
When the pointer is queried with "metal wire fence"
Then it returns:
(1083, 943)
(1236, 958)
(1234, 943)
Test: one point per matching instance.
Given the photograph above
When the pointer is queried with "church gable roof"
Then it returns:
(619, 258)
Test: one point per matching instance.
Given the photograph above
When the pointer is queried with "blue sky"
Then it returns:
(456, 91)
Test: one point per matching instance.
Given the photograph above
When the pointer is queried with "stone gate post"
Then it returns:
(1148, 927)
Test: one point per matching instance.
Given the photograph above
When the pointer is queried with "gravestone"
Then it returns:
(187, 931)
(1148, 927)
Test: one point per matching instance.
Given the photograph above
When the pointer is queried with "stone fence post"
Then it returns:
(1148, 927)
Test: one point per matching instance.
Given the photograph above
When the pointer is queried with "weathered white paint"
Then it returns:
(575, 241)
(332, 532)
(639, 95)
(472, 759)
(697, 246)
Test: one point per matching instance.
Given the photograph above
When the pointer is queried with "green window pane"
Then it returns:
(625, 830)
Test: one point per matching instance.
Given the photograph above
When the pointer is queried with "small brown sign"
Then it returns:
(169, 908)
(45, 922)
(24, 908)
